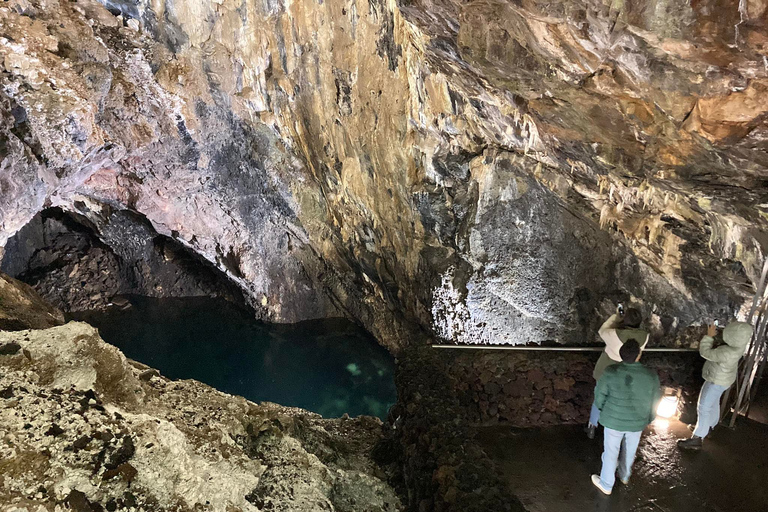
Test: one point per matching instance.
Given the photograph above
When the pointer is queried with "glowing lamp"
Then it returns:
(667, 407)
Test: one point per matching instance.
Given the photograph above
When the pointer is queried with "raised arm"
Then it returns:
(608, 332)
(718, 355)
(647, 339)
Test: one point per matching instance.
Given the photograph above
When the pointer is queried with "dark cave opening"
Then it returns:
(166, 307)
(77, 266)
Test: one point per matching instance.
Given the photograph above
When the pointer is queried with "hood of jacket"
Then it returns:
(737, 334)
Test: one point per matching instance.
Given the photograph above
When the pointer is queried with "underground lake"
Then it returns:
(330, 366)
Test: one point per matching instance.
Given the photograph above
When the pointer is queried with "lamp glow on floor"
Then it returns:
(667, 407)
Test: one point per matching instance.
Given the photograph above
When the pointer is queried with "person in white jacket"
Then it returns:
(719, 372)
(615, 332)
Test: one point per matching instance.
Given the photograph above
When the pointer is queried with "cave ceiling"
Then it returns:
(496, 171)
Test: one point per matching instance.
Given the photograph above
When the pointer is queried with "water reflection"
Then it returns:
(328, 366)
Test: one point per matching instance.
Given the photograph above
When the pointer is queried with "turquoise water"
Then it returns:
(330, 367)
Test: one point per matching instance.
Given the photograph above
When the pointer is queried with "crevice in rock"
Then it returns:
(76, 265)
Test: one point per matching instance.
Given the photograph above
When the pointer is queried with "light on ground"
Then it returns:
(667, 407)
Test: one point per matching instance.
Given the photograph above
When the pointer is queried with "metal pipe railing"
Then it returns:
(558, 349)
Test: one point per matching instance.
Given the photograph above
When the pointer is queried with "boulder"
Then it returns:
(21, 307)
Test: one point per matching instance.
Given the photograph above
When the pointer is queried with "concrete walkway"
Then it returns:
(549, 469)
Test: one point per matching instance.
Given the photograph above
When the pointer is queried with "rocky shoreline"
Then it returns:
(86, 428)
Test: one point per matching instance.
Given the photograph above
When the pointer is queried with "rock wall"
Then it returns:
(445, 394)
(433, 446)
(22, 308)
(81, 427)
(541, 389)
(81, 91)
(496, 172)
(77, 266)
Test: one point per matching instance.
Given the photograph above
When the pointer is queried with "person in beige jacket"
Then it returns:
(719, 374)
(615, 332)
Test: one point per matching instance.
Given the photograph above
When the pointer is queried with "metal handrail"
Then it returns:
(558, 349)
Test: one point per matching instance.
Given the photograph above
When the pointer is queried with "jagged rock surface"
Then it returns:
(82, 427)
(22, 308)
(61, 256)
(482, 171)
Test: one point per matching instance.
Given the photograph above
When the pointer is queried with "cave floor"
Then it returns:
(549, 469)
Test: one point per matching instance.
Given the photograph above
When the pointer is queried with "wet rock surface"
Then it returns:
(496, 173)
(433, 449)
(549, 469)
(81, 427)
(452, 402)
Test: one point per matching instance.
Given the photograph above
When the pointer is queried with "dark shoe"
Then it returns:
(590, 430)
(694, 443)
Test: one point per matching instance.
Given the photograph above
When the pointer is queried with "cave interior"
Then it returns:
(234, 233)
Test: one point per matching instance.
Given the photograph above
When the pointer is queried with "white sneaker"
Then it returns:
(596, 483)
(625, 482)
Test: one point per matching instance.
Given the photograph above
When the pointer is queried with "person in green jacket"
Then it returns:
(627, 395)
(614, 332)
(719, 374)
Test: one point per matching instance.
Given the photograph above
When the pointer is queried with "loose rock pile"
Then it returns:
(84, 428)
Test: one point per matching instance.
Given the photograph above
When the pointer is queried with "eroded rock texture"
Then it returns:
(482, 171)
(77, 266)
(22, 308)
(83, 428)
